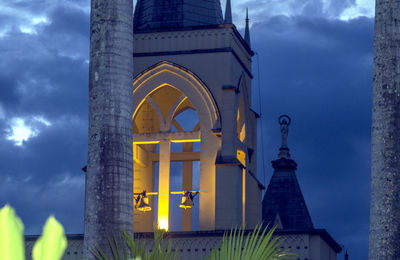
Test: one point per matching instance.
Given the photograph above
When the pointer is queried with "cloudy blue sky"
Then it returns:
(315, 62)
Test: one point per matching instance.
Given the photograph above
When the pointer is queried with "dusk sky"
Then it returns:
(315, 63)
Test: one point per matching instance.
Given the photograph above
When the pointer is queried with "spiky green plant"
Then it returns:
(11, 235)
(256, 246)
(117, 253)
(161, 249)
(50, 245)
(130, 248)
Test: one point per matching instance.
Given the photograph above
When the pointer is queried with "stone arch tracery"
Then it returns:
(181, 90)
(167, 73)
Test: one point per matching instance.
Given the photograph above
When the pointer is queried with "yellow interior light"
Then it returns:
(163, 224)
(186, 141)
(146, 142)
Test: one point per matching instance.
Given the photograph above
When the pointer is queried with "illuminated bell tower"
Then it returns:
(187, 57)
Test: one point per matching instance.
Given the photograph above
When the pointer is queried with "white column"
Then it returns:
(208, 150)
(163, 185)
(187, 179)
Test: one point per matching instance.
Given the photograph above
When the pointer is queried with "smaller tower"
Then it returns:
(247, 30)
(283, 203)
(228, 12)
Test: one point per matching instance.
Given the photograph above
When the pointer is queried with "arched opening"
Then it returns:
(241, 125)
(164, 110)
(172, 115)
(241, 154)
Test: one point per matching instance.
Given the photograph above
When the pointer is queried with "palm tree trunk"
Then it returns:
(384, 239)
(109, 177)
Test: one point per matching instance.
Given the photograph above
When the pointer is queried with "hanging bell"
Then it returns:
(142, 202)
(187, 200)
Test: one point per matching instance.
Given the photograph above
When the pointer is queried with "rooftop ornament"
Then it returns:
(284, 121)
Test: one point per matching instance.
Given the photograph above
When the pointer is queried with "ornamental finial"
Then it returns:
(247, 29)
(284, 122)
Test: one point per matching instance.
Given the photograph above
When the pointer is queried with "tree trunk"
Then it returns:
(384, 240)
(109, 177)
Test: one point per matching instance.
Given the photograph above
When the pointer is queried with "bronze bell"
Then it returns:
(187, 200)
(142, 202)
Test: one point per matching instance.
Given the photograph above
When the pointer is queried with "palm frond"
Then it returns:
(255, 246)
(116, 253)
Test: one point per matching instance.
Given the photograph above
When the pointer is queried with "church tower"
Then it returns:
(187, 57)
(173, 57)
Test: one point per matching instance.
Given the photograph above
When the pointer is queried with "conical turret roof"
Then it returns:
(247, 29)
(228, 12)
(159, 15)
(283, 201)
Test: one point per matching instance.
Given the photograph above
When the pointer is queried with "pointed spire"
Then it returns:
(228, 13)
(283, 196)
(284, 122)
(247, 31)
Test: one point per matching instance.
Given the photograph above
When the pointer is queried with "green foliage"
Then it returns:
(115, 250)
(11, 235)
(256, 246)
(50, 246)
(129, 248)
(52, 243)
(159, 250)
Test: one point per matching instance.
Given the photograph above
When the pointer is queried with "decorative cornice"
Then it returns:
(196, 30)
(196, 51)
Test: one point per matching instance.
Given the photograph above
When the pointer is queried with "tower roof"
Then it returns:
(160, 15)
(247, 29)
(228, 12)
(283, 200)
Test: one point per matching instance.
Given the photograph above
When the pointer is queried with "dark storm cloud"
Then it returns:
(336, 7)
(319, 72)
(69, 32)
(262, 9)
(36, 70)
(43, 177)
(44, 74)
(309, 8)
(8, 89)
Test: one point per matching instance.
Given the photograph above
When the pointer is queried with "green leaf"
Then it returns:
(256, 246)
(98, 253)
(12, 246)
(52, 243)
